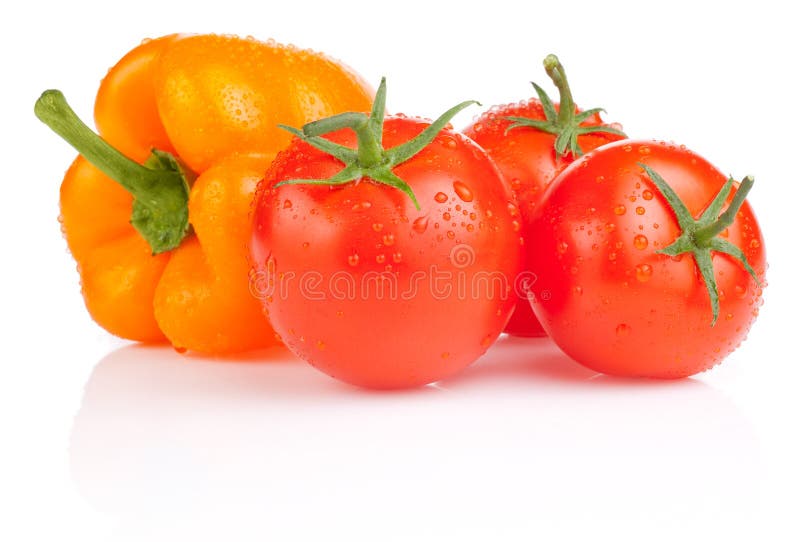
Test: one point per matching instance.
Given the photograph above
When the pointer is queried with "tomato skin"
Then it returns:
(528, 160)
(351, 235)
(603, 293)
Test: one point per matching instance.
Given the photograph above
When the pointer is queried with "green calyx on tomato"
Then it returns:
(565, 124)
(160, 187)
(370, 159)
(700, 237)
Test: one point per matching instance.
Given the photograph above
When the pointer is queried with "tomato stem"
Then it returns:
(160, 187)
(566, 124)
(370, 159)
(700, 237)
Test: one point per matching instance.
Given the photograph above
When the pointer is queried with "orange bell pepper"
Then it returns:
(161, 251)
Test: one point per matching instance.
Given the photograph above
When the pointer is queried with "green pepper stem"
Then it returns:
(160, 188)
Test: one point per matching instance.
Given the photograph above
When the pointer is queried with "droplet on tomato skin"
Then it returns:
(420, 224)
(388, 239)
(448, 141)
(623, 330)
(451, 234)
(446, 216)
(512, 209)
(577, 290)
(644, 272)
(640, 242)
(729, 316)
(377, 226)
(516, 183)
(515, 225)
(339, 313)
(648, 195)
(352, 260)
(612, 256)
(397, 257)
(362, 206)
(619, 210)
(463, 191)
(320, 345)
(440, 197)
(754, 243)
(380, 258)
(445, 355)
(640, 210)
(287, 204)
(562, 247)
(741, 291)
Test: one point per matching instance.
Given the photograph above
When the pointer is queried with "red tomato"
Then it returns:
(607, 295)
(527, 156)
(371, 289)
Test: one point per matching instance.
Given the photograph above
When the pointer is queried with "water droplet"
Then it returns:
(512, 209)
(320, 345)
(627, 148)
(640, 242)
(388, 239)
(470, 227)
(640, 210)
(448, 141)
(287, 204)
(451, 234)
(515, 225)
(362, 206)
(446, 216)
(619, 210)
(647, 195)
(644, 272)
(339, 313)
(306, 244)
(353, 260)
(754, 243)
(380, 258)
(562, 247)
(420, 224)
(377, 226)
(440, 197)
(578, 290)
(463, 191)
(741, 291)
(179, 349)
(729, 316)
(397, 257)
(445, 355)
(623, 330)
(612, 256)
(644, 149)
(516, 183)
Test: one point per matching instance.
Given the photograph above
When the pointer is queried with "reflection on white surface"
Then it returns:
(525, 439)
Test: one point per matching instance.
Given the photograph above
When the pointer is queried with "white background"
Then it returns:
(107, 441)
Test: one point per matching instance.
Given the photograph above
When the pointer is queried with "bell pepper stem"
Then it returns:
(52, 109)
(160, 188)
